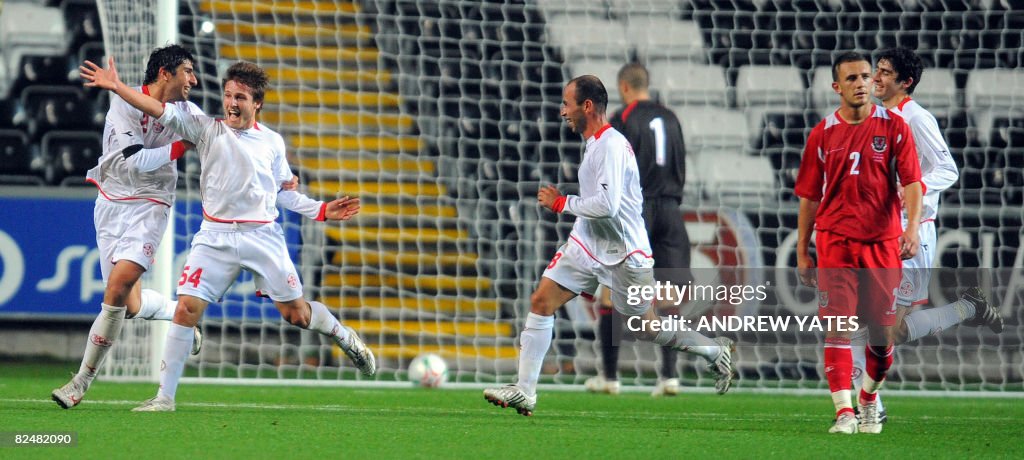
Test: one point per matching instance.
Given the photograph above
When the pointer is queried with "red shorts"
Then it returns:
(858, 278)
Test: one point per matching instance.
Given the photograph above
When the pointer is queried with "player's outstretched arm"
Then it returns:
(343, 208)
(98, 77)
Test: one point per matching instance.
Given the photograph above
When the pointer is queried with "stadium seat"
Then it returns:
(713, 128)
(584, 35)
(937, 90)
(69, 155)
(553, 8)
(16, 158)
(1001, 128)
(662, 37)
(30, 28)
(91, 51)
(995, 88)
(6, 79)
(82, 20)
(957, 127)
(823, 98)
(54, 107)
(732, 177)
(775, 128)
(775, 86)
(605, 69)
(41, 70)
(8, 109)
(690, 84)
(633, 8)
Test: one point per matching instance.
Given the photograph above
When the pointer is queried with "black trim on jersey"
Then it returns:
(131, 150)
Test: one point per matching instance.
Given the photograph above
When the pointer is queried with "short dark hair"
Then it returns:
(635, 75)
(906, 63)
(590, 87)
(167, 58)
(250, 75)
(849, 56)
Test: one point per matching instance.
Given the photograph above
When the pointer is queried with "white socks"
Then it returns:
(690, 342)
(534, 342)
(323, 321)
(105, 329)
(156, 307)
(931, 321)
(176, 350)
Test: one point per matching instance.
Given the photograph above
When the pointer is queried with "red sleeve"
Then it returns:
(811, 177)
(907, 164)
(322, 215)
(177, 150)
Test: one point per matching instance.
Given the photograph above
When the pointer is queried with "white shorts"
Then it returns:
(917, 271)
(128, 230)
(221, 251)
(574, 269)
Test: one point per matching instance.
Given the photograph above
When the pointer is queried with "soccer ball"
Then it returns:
(428, 370)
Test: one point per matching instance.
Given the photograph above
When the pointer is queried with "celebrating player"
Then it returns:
(243, 169)
(136, 177)
(848, 196)
(897, 73)
(608, 245)
(657, 140)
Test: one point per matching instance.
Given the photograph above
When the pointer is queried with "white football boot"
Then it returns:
(156, 404)
(870, 418)
(722, 366)
(511, 396)
(357, 351)
(599, 384)
(70, 394)
(845, 424)
(666, 387)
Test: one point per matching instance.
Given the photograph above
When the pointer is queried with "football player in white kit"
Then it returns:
(608, 245)
(897, 73)
(136, 177)
(243, 169)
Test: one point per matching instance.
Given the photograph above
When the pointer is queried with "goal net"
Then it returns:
(443, 117)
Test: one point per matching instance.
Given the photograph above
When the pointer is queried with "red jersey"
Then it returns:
(848, 169)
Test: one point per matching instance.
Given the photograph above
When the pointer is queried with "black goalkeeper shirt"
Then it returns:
(662, 174)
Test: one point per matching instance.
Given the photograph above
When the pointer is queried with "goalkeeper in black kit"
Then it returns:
(657, 139)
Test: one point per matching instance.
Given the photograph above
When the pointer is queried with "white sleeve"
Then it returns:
(938, 171)
(147, 160)
(190, 126)
(292, 199)
(609, 168)
(301, 204)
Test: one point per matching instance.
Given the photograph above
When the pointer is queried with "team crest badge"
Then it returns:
(293, 281)
(906, 288)
(878, 144)
(822, 299)
(147, 249)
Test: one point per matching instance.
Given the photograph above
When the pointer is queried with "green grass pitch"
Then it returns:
(326, 422)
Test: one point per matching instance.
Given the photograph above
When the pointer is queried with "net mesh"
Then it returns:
(442, 116)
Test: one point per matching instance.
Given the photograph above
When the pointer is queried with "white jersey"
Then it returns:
(938, 171)
(148, 172)
(242, 171)
(610, 226)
